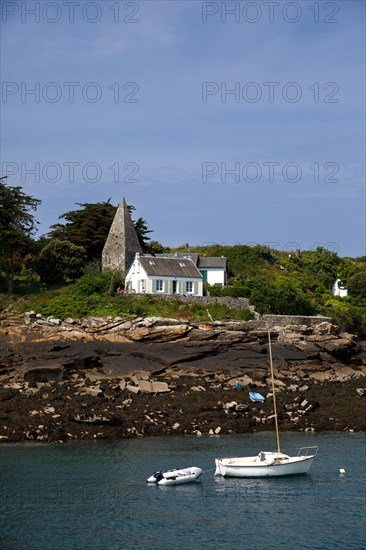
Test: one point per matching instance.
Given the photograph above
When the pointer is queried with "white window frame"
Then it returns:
(159, 285)
(189, 287)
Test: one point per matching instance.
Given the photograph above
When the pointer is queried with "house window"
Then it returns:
(159, 285)
(189, 287)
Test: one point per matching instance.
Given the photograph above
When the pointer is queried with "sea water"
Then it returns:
(93, 495)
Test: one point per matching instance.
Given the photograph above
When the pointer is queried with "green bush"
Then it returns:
(93, 268)
(88, 285)
(214, 290)
(357, 284)
(349, 313)
(114, 279)
(60, 261)
(235, 291)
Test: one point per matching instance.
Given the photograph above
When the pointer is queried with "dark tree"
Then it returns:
(89, 227)
(141, 229)
(17, 224)
(155, 247)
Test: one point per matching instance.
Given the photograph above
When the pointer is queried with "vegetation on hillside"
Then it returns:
(59, 274)
(297, 283)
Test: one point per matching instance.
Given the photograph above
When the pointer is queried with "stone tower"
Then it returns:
(122, 242)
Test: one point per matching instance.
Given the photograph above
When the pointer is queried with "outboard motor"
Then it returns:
(158, 476)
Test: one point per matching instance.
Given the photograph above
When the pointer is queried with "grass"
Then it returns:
(62, 303)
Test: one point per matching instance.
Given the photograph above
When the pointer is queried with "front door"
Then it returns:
(174, 287)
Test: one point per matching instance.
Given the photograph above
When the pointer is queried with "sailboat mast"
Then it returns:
(273, 391)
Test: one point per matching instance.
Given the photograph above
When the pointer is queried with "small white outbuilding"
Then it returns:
(338, 289)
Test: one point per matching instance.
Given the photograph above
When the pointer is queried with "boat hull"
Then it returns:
(238, 468)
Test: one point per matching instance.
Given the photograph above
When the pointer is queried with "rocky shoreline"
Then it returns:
(117, 378)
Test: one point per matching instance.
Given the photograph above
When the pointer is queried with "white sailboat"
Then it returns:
(268, 464)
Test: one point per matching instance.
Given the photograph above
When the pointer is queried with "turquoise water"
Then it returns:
(93, 495)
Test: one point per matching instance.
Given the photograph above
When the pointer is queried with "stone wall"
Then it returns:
(284, 320)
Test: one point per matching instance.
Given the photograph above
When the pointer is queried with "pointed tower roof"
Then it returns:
(122, 242)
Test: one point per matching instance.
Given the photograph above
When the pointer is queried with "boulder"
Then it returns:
(153, 387)
(92, 419)
(243, 381)
(71, 321)
(164, 333)
(30, 314)
(44, 373)
(326, 357)
(229, 406)
(324, 328)
(126, 325)
(321, 376)
(342, 373)
(310, 349)
(121, 365)
(300, 329)
(160, 321)
(242, 407)
(14, 386)
(91, 390)
(136, 377)
(277, 383)
(54, 321)
(168, 333)
(340, 347)
(320, 338)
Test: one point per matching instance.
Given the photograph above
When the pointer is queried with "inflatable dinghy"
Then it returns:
(175, 477)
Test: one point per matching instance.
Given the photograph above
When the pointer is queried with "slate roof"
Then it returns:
(192, 255)
(212, 262)
(200, 261)
(170, 267)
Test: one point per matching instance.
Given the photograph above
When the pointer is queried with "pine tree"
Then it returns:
(17, 224)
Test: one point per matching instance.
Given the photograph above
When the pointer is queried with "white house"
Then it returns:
(161, 275)
(212, 269)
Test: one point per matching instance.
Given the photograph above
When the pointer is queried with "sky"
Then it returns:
(221, 122)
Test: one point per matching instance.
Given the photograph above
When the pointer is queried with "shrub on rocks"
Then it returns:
(89, 284)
